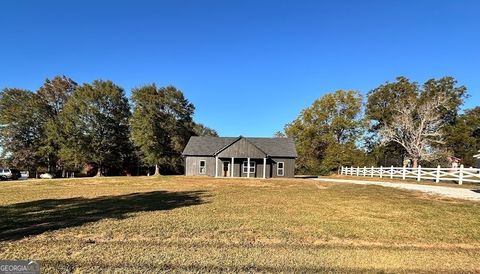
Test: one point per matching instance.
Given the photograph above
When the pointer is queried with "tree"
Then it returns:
(202, 130)
(331, 126)
(53, 96)
(279, 134)
(382, 100)
(161, 125)
(95, 126)
(383, 106)
(416, 120)
(21, 130)
(379, 110)
(463, 137)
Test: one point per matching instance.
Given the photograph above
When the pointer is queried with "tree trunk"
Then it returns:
(415, 162)
(99, 172)
(157, 171)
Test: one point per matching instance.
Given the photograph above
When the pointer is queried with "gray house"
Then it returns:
(240, 157)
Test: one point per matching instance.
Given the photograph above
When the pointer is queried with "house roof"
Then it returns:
(210, 146)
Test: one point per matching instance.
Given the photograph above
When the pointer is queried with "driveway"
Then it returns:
(451, 192)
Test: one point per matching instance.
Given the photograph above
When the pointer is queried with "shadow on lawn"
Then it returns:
(35, 217)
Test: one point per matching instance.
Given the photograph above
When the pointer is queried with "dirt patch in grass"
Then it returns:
(186, 224)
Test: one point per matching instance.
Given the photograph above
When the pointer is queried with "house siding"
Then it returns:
(242, 149)
(192, 164)
(192, 167)
(289, 169)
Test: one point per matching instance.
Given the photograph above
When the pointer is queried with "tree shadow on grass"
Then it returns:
(36, 217)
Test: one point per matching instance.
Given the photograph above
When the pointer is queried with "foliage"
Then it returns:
(382, 100)
(279, 134)
(330, 127)
(161, 125)
(21, 128)
(95, 126)
(53, 96)
(414, 117)
(463, 137)
(202, 130)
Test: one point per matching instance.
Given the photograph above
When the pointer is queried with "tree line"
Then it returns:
(63, 126)
(399, 123)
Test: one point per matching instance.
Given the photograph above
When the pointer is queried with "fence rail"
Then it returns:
(459, 175)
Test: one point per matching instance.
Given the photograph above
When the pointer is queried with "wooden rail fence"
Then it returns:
(459, 175)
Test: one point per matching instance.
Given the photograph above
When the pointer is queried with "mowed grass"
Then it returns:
(182, 224)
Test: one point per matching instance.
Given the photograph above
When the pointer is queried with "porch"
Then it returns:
(242, 167)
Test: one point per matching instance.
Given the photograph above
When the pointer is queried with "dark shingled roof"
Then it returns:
(208, 146)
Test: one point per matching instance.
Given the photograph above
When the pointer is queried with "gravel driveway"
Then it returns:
(452, 192)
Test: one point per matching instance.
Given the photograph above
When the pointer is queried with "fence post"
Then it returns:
(364, 171)
(358, 171)
(381, 171)
(437, 176)
(404, 172)
(391, 172)
(419, 175)
(341, 170)
(371, 172)
(460, 175)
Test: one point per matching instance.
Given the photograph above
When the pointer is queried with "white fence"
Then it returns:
(437, 174)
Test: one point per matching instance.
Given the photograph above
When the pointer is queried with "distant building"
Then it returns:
(454, 161)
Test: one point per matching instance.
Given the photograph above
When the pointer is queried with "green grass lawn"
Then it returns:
(181, 224)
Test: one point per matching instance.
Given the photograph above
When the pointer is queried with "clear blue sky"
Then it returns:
(248, 66)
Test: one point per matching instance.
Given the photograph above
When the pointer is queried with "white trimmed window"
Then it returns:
(280, 169)
(245, 167)
(202, 167)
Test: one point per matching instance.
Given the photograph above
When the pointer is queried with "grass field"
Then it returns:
(181, 224)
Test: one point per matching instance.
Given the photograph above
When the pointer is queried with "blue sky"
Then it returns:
(249, 67)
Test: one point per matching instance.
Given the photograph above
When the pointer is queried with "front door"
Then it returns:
(226, 169)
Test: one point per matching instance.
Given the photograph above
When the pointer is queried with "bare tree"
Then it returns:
(417, 126)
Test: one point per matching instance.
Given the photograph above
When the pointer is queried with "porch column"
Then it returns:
(248, 167)
(264, 167)
(232, 167)
(216, 166)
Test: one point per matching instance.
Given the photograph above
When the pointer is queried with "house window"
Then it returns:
(202, 167)
(280, 169)
(245, 167)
